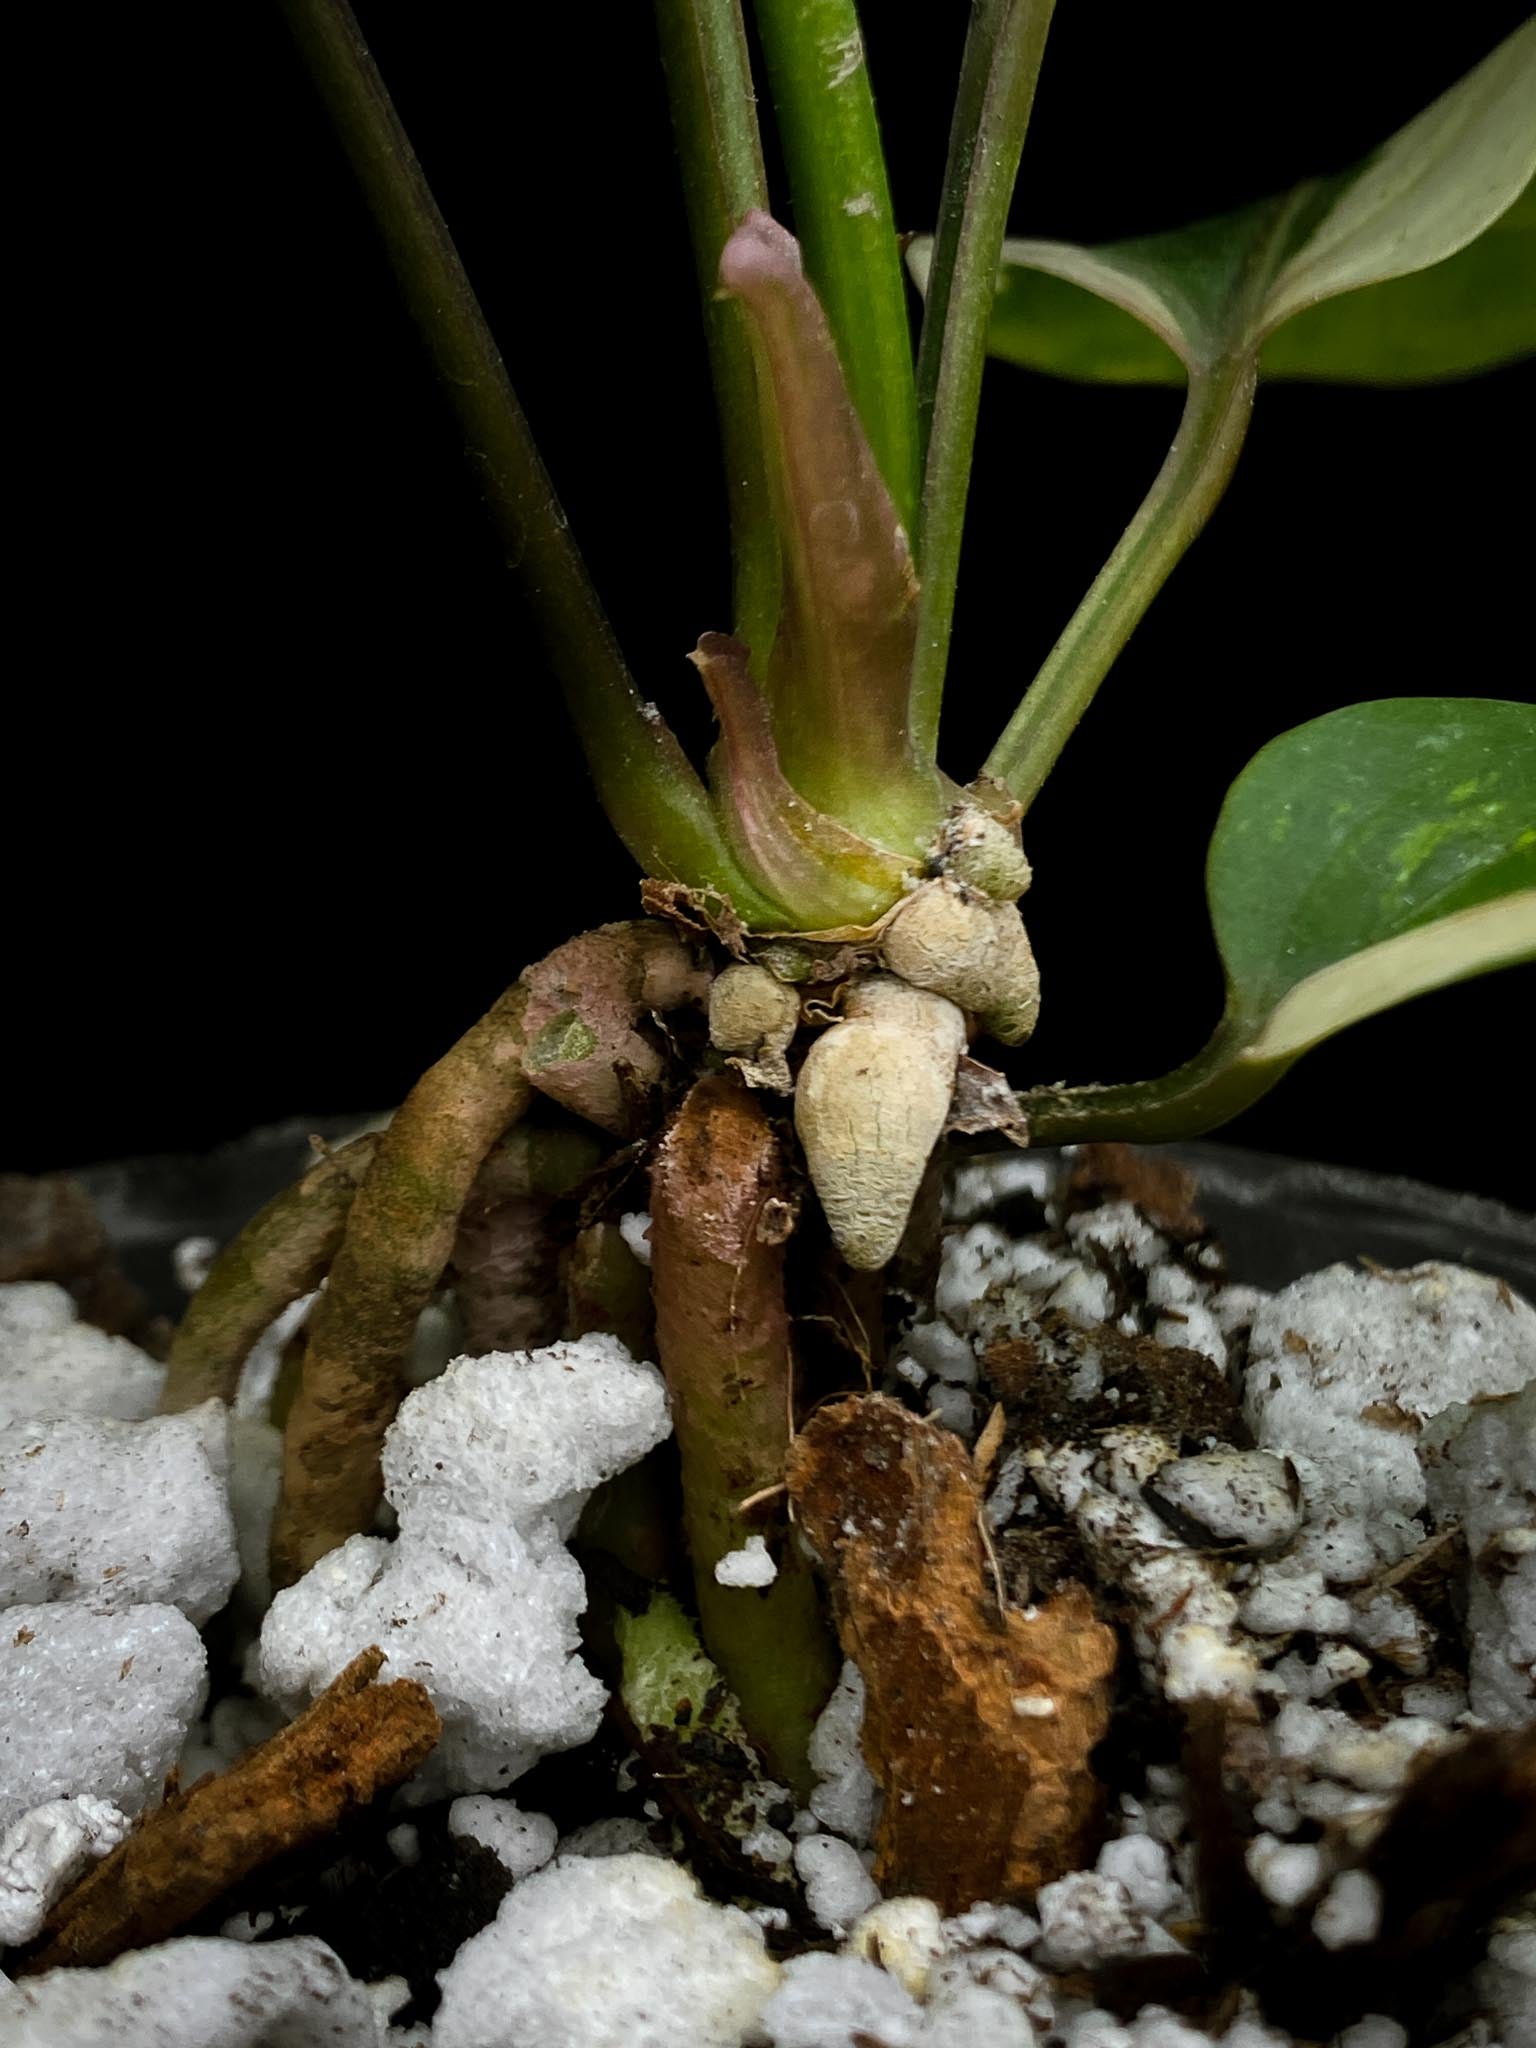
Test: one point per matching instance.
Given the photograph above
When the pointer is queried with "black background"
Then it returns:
(290, 794)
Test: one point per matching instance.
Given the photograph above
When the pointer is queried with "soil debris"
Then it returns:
(1064, 1384)
(49, 1230)
(357, 1740)
(978, 1721)
(1159, 1187)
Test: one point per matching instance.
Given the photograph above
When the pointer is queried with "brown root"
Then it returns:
(569, 1028)
(585, 1002)
(978, 1721)
(719, 1211)
(282, 1253)
(397, 1242)
(356, 1741)
(506, 1254)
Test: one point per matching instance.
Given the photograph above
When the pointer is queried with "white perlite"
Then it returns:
(93, 1703)
(838, 1889)
(846, 1798)
(749, 1566)
(488, 1468)
(1375, 2030)
(1350, 1912)
(836, 2001)
(905, 1936)
(1343, 1367)
(524, 1842)
(1234, 1501)
(610, 1952)
(1506, 1980)
(255, 1480)
(1086, 1918)
(1481, 1473)
(53, 1364)
(43, 1853)
(117, 1513)
(979, 1998)
(1142, 1865)
(200, 1992)
(635, 1229)
(1285, 1872)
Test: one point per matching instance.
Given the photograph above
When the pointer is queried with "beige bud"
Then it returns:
(749, 1009)
(752, 1018)
(971, 949)
(984, 853)
(870, 1106)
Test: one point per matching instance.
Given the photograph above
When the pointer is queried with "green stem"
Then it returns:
(714, 118)
(1207, 1091)
(1185, 492)
(656, 802)
(997, 91)
(843, 219)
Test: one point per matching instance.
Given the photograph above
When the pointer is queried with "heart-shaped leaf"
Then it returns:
(1418, 204)
(1358, 860)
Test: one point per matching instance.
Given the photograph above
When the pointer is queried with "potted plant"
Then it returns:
(770, 1062)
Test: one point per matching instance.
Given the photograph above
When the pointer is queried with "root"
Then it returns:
(514, 1226)
(397, 1242)
(283, 1252)
(356, 1741)
(718, 1193)
(571, 1029)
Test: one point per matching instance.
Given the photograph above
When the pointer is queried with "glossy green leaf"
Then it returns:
(1372, 827)
(1399, 234)
(1361, 859)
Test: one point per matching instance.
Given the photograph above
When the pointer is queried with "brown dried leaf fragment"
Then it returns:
(357, 1740)
(978, 1723)
(984, 1101)
(706, 912)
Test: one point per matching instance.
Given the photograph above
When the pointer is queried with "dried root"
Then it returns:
(356, 1741)
(873, 1096)
(978, 1720)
